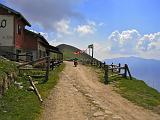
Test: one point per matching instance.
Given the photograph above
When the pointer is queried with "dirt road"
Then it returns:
(80, 96)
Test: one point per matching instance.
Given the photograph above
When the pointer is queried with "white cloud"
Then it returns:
(123, 42)
(86, 29)
(55, 42)
(102, 52)
(47, 12)
(131, 42)
(92, 23)
(101, 24)
(149, 42)
(62, 26)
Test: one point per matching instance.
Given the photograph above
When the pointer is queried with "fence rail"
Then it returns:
(50, 64)
(113, 69)
(18, 56)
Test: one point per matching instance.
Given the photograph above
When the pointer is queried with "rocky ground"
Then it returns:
(80, 96)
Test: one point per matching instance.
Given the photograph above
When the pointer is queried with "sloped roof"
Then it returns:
(42, 39)
(16, 13)
(44, 42)
(54, 49)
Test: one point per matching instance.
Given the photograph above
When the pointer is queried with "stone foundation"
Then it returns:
(6, 82)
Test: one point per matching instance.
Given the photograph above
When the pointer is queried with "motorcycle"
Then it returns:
(75, 63)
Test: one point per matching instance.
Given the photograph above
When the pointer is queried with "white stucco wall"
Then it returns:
(6, 30)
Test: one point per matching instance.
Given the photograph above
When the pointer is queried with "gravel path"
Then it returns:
(80, 96)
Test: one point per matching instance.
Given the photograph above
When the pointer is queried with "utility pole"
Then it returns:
(92, 50)
(89, 51)
(91, 47)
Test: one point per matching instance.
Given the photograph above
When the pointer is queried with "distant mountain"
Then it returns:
(68, 52)
(144, 69)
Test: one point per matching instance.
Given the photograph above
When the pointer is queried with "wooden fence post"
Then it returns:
(35, 89)
(52, 63)
(47, 69)
(103, 66)
(17, 57)
(91, 62)
(31, 57)
(130, 76)
(125, 71)
(112, 67)
(106, 80)
(119, 70)
(100, 64)
(97, 63)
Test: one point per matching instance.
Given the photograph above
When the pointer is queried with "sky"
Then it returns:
(117, 28)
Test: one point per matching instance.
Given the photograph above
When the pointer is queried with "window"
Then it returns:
(18, 51)
(19, 29)
(44, 53)
(40, 53)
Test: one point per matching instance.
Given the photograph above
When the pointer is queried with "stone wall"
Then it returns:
(8, 74)
(6, 82)
(7, 52)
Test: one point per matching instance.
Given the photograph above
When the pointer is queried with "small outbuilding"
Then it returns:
(12, 25)
(18, 43)
(35, 44)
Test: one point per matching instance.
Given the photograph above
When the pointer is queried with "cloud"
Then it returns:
(149, 42)
(63, 26)
(131, 42)
(123, 42)
(91, 23)
(101, 24)
(102, 51)
(47, 13)
(86, 29)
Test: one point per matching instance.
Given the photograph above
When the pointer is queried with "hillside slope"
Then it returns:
(80, 96)
(68, 52)
(145, 69)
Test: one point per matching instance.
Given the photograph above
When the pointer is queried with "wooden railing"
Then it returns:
(18, 56)
(110, 71)
(50, 63)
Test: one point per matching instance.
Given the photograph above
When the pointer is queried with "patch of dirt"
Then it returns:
(80, 96)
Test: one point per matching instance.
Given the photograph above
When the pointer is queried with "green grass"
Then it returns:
(68, 52)
(136, 91)
(21, 104)
(6, 67)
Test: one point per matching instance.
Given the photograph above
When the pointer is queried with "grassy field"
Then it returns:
(136, 91)
(20, 104)
(6, 67)
(68, 52)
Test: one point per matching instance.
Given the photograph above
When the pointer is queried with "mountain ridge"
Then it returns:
(68, 52)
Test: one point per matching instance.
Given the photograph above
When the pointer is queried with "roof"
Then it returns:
(44, 42)
(16, 13)
(54, 49)
(42, 39)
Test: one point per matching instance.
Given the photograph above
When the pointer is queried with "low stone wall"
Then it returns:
(8, 74)
(6, 82)
(7, 52)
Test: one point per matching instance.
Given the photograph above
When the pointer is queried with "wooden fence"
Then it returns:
(110, 71)
(48, 64)
(24, 57)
